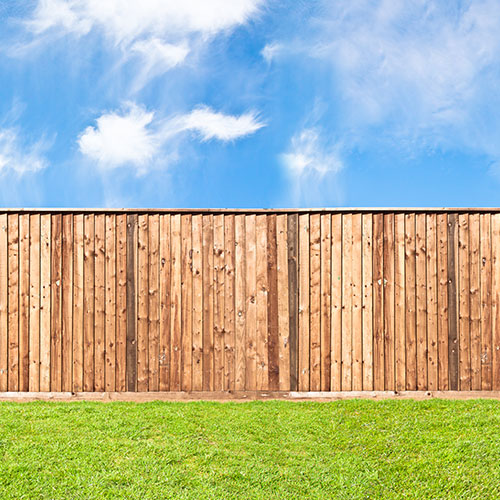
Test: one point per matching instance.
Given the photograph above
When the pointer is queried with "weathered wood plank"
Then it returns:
(357, 312)
(24, 301)
(261, 303)
(389, 355)
(336, 304)
(495, 303)
(251, 311)
(378, 302)
(165, 303)
(229, 303)
(315, 302)
(4, 292)
(187, 303)
(67, 302)
(176, 316)
(399, 302)
(240, 303)
(131, 373)
(442, 297)
(208, 301)
(432, 303)
(34, 302)
(486, 333)
(367, 302)
(464, 302)
(326, 289)
(197, 243)
(45, 223)
(303, 332)
(111, 306)
(411, 303)
(272, 305)
(293, 297)
(283, 302)
(121, 302)
(13, 308)
(218, 249)
(475, 301)
(421, 298)
(99, 304)
(154, 303)
(347, 302)
(142, 303)
(78, 302)
(452, 302)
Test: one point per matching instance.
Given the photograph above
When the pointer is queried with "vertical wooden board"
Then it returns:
(315, 302)
(272, 304)
(78, 302)
(421, 298)
(326, 280)
(67, 302)
(367, 302)
(283, 303)
(411, 303)
(24, 301)
(464, 303)
(475, 301)
(399, 301)
(304, 289)
(251, 310)
(486, 333)
(197, 242)
(88, 302)
(142, 302)
(4, 313)
(229, 304)
(347, 302)
(111, 309)
(495, 303)
(452, 302)
(336, 304)
(432, 303)
(378, 302)
(389, 356)
(261, 303)
(218, 250)
(293, 297)
(442, 298)
(208, 303)
(45, 240)
(131, 366)
(34, 302)
(165, 304)
(239, 301)
(121, 302)
(13, 308)
(154, 303)
(357, 313)
(176, 323)
(187, 303)
(56, 305)
(99, 304)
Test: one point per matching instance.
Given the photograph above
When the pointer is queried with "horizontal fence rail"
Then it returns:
(226, 300)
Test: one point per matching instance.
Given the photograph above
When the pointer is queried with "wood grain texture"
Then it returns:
(197, 357)
(485, 272)
(67, 303)
(218, 258)
(453, 374)
(283, 302)
(315, 302)
(293, 295)
(326, 289)
(229, 303)
(495, 302)
(399, 302)
(336, 305)
(378, 302)
(45, 312)
(240, 301)
(176, 304)
(4, 293)
(410, 300)
(13, 306)
(262, 354)
(24, 301)
(475, 301)
(251, 312)
(442, 297)
(121, 302)
(272, 305)
(187, 302)
(34, 302)
(131, 347)
(99, 303)
(165, 304)
(367, 302)
(421, 300)
(304, 295)
(432, 303)
(110, 340)
(208, 302)
(389, 354)
(154, 303)
(346, 302)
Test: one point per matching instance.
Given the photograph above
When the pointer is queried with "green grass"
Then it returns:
(273, 449)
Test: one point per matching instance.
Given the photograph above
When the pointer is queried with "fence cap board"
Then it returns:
(254, 210)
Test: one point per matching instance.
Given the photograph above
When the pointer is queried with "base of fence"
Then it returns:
(242, 396)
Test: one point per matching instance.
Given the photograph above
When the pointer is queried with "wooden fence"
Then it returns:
(201, 300)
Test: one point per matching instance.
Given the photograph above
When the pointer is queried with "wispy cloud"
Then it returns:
(19, 157)
(137, 138)
(311, 163)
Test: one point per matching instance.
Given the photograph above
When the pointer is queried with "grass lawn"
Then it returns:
(273, 449)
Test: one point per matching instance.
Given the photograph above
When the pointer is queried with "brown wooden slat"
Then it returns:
(131, 373)
(121, 302)
(100, 304)
(142, 303)
(272, 305)
(411, 303)
(326, 288)
(45, 240)
(261, 303)
(432, 303)
(399, 302)
(303, 286)
(4, 291)
(240, 304)
(442, 297)
(357, 314)
(452, 302)
(346, 302)
(229, 303)
(111, 307)
(187, 302)
(421, 298)
(475, 301)
(218, 249)
(251, 311)
(56, 305)
(315, 302)
(154, 303)
(378, 302)
(495, 302)
(78, 302)
(34, 302)
(464, 303)
(293, 296)
(283, 302)
(208, 300)
(24, 301)
(336, 300)
(197, 244)
(389, 355)
(67, 302)
(367, 302)
(165, 304)
(13, 307)
(486, 333)
(176, 296)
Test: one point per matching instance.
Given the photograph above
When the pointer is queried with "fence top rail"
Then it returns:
(255, 210)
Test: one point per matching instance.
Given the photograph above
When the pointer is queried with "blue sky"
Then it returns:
(249, 103)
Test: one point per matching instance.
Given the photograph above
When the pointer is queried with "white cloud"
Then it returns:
(271, 51)
(135, 137)
(18, 157)
(212, 125)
